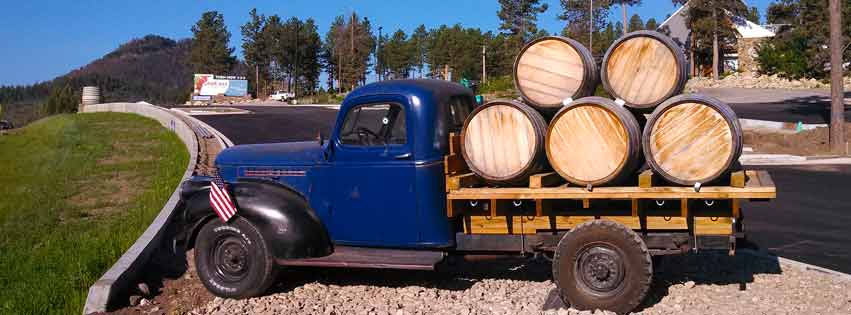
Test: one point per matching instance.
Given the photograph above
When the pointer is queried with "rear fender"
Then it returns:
(284, 218)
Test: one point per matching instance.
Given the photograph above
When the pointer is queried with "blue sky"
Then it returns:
(45, 39)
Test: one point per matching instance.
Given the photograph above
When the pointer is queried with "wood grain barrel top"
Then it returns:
(499, 141)
(549, 71)
(691, 141)
(587, 143)
(642, 70)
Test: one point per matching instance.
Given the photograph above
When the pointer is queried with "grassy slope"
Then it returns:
(75, 192)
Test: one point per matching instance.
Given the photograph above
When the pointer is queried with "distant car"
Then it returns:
(5, 124)
(282, 96)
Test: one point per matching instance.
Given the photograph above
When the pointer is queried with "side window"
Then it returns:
(374, 125)
(459, 107)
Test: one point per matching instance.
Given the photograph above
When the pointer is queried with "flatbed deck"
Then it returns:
(549, 204)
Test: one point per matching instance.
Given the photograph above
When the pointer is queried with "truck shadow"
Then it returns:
(704, 268)
(456, 274)
(707, 268)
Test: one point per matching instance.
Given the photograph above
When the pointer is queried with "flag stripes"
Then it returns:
(220, 199)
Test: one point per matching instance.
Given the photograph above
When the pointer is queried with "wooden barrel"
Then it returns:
(643, 69)
(552, 69)
(594, 141)
(503, 142)
(692, 139)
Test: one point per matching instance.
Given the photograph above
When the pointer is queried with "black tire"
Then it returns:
(233, 260)
(602, 265)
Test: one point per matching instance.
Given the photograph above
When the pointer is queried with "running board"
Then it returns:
(380, 258)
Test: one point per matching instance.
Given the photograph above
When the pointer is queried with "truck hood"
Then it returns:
(271, 154)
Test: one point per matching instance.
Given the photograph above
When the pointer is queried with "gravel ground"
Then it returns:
(693, 284)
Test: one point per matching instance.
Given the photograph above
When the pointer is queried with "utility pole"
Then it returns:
(623, 11)
(522, 26)
(484, 64)
(352, 56)
(591, 26)
(714, 44)
(837, 106)
(256, 80)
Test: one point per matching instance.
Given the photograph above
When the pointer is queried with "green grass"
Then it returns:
(75, 192)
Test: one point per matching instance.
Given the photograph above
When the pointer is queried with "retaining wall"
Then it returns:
(124, 273)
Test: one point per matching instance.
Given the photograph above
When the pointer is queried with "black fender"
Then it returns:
(291, 228)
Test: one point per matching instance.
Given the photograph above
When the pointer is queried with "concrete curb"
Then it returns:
(786, 159)
(125, 271)
(785, 127)
(223, 140)
(800, 265)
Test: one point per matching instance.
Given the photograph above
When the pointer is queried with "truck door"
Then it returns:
(374, 200)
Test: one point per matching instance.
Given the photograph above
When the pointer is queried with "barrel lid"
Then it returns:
(551, 69)
(643, 68)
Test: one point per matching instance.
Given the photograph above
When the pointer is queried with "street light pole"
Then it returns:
(837, 106)
(378, 54)
(484, 64)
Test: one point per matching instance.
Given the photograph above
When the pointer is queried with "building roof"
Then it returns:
(678, 29)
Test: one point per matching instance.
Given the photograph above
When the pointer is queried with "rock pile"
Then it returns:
(692, 284)
(759, 82)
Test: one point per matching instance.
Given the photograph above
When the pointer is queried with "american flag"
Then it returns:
(220, 199)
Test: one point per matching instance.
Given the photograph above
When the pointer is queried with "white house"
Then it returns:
(748, 38)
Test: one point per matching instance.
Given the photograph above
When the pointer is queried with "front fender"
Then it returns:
(286, 221)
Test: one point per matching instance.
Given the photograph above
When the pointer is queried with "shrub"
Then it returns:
(497, 84)
(786, 56)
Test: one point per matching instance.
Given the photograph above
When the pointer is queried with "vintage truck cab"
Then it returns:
(389, 189)
(377, 182)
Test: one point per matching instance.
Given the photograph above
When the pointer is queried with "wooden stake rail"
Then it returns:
(549, 204)
(754, 189)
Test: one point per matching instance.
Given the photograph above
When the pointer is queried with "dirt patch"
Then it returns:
(179, 294)
(96, 203)
(807, 143)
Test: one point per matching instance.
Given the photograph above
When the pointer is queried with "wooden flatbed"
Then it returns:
(550, 205)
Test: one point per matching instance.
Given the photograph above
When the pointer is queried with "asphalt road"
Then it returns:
(807, 106)
(274, 123)
(809, 221)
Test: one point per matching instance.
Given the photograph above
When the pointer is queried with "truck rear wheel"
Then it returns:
(233, 260)
(602, 265)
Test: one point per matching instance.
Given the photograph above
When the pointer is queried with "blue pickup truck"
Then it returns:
(388, 190)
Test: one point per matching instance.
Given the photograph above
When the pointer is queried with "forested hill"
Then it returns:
(152, 68)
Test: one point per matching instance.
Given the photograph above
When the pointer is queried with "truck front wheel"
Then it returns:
(233, 260)
(602, 265)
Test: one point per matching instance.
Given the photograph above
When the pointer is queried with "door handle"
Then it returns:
(403, 156)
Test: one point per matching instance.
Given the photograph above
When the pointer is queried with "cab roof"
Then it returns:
(423, 88)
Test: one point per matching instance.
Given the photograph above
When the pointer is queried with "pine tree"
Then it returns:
(711, 27)
(398, 56)
(211, 51)
(623, 5)
(651, 24)
(255, 48)
(519, 18)
(349, 44)
(753, 15)
(419, 43)
(578, 22)
(309, 56)
(635, 23)
(783, 12)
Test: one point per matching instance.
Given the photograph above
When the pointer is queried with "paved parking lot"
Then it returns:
(807, 106)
